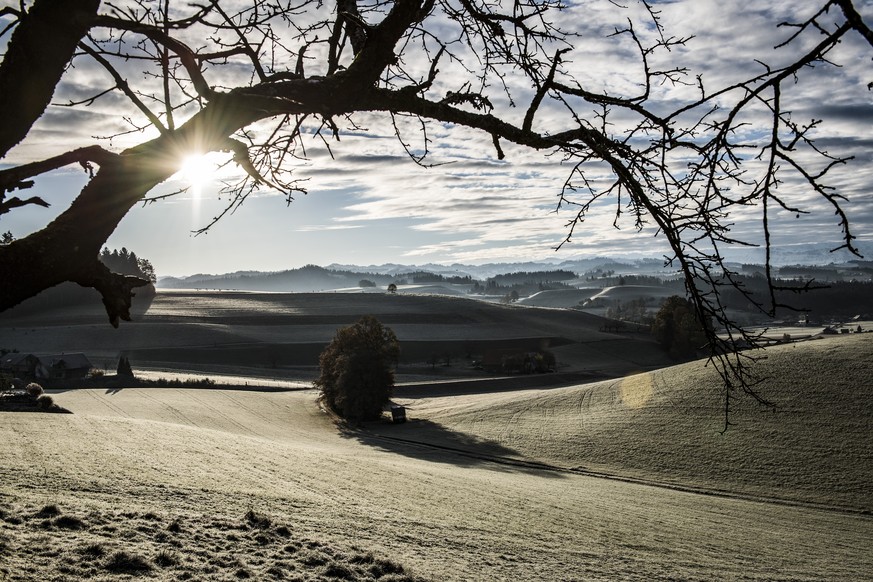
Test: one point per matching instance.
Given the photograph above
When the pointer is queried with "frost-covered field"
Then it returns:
(614, 480)
(276, 334)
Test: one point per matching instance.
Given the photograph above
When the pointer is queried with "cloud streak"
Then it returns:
(472, 207)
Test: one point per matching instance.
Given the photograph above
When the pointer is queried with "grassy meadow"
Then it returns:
(628, 478)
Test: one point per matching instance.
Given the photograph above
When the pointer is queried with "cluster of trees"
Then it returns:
(827, 300)
(531, 277)
(529, 363)
(678, 328)
(126, 262)
(425, 277)
(513, 285)
(635, 311)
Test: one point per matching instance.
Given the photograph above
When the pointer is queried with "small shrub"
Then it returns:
(34, 390)
(175, 526)
(45, 402)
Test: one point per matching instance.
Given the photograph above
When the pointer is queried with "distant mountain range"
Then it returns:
(313, 278)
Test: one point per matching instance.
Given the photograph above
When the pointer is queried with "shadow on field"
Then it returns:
(493, 385)
(430, 441)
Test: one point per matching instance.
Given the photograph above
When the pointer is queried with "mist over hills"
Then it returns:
(346, 276)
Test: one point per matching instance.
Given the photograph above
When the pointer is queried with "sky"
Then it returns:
(368, 203)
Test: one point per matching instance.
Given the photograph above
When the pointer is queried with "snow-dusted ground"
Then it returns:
(615, 480)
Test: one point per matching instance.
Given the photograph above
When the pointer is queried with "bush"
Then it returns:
(357, 375)
(45, 402)
(34, 390)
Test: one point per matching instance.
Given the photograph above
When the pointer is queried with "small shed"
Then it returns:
(398, 413)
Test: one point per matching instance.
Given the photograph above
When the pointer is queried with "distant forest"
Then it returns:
(833, 299)
(126, 262)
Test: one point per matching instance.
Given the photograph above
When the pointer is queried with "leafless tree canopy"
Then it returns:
(245, 76)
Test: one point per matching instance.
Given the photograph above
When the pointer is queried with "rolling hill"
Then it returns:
(626, 479)
(276, 333)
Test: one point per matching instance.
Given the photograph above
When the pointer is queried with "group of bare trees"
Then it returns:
(245, 76)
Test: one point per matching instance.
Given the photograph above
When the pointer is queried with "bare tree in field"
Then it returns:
(246, 76)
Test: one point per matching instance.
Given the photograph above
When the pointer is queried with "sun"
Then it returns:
(197, 170)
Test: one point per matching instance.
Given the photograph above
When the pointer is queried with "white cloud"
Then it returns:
(473, 207)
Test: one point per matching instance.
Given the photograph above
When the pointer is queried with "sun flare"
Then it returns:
(197, 171)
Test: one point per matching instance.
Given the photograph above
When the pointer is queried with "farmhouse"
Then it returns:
(64, 366)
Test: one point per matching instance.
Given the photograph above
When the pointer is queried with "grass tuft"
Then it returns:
(166, 559)
(257, 520)
(312, 558)
(283, 531)
(339, 571)
(92, 550)
(200, 551)
(69, 522)
(48, 511)
(122, 562)
(362, 558)
(384, 567)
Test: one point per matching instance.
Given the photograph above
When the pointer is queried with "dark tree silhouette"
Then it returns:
(678, 328)
(126, 262)
(213, 70)
(357, 370)
(124, 368)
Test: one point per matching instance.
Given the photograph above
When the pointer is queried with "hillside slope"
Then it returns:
(202, 459)
(210, 331)
(666, 426)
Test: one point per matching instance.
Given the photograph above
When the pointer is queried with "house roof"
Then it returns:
(13, 359)
(68, 361)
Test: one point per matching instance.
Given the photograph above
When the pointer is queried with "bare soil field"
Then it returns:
(627, 479)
